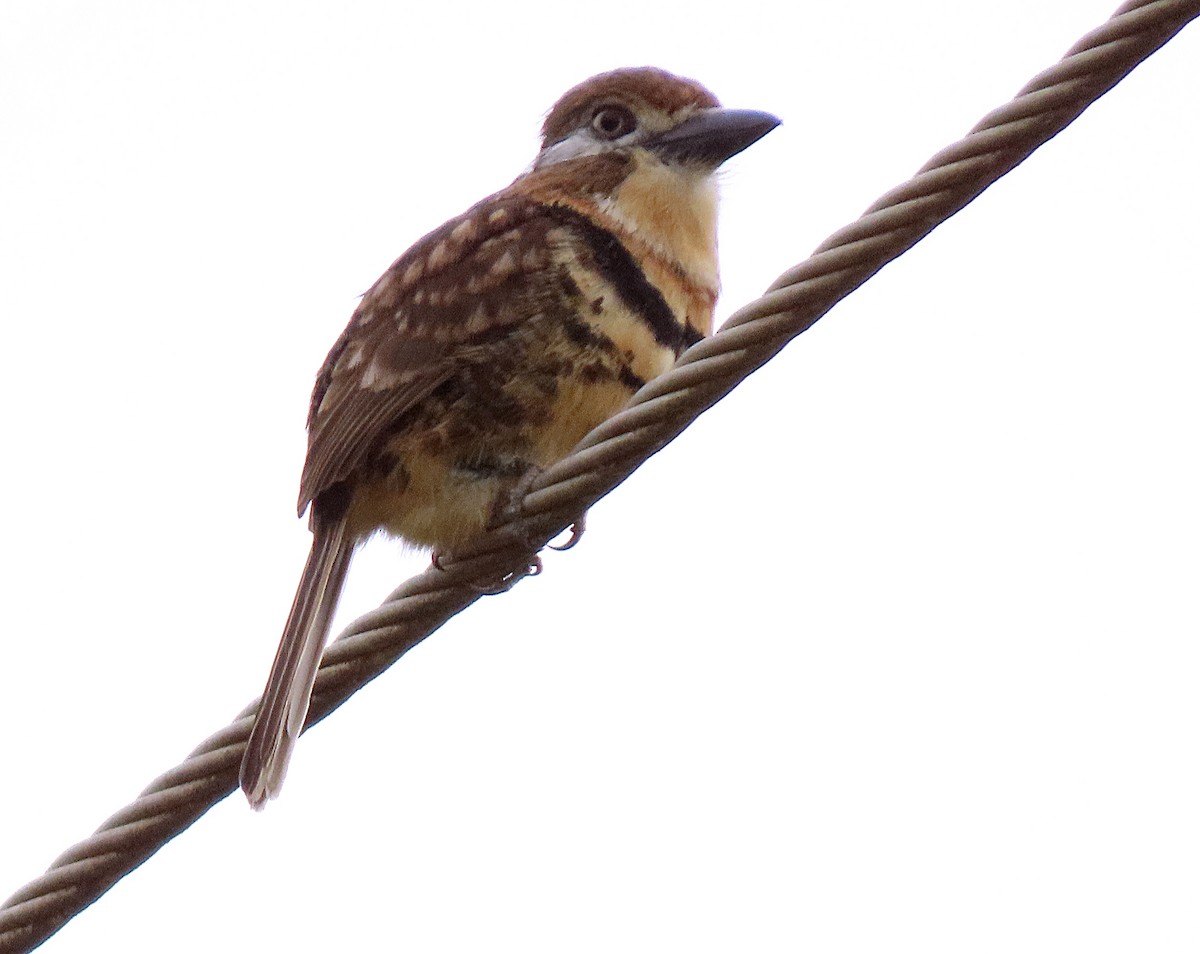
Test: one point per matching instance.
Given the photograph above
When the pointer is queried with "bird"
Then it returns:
(486, 351)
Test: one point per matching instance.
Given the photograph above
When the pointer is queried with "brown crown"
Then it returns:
(634, 85)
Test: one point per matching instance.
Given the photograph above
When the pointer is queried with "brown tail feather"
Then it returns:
(285, 699)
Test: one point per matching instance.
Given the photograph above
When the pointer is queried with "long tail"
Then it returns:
(284, 703)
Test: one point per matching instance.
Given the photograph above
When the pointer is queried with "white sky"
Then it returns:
(896, 649)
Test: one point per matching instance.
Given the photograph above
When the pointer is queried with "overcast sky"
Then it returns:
(896, 649)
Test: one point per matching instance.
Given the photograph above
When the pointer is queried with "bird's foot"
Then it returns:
(511, 507)
(507, 509)
(505, 582)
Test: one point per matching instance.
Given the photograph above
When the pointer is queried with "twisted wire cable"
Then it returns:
(610, 453)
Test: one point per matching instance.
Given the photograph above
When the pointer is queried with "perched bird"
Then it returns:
(489, 348)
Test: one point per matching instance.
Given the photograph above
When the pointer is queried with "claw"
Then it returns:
(577, 529)
(509, 580)
(502, 585)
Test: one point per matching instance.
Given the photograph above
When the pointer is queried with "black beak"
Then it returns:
(711, 137)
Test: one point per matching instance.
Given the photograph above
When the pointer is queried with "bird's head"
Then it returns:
(646, 110)
(638, 149)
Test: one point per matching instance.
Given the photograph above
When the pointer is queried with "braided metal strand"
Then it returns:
(661, 411)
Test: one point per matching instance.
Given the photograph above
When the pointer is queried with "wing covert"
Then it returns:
(470, 280)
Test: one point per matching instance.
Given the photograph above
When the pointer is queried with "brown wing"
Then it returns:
(452, 288)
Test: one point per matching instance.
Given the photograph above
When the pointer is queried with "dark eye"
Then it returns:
(613, 122)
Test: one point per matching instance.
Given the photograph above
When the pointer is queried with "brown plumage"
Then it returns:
(497, 341)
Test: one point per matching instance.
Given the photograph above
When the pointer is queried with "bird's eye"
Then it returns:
(613, 122)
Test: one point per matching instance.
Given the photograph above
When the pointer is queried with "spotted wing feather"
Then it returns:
(452, 289)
